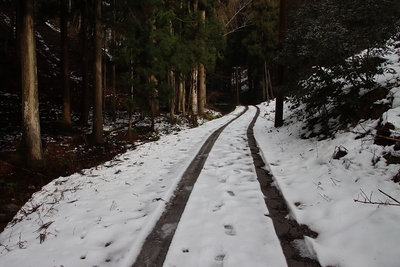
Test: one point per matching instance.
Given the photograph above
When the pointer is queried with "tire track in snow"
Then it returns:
(157, 243)
(228, 184)
(225, 221)
(290, 233)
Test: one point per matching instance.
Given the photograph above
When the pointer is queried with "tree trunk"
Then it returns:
(154, 103)
(280, 72)
(172, 101)
(182, 95)
(31, 142)
(237, 86)
(18, 27)
(193, 91)
(113, 47)
(114, 97)
(98, 92)
(130, 106)
(202, 77)
(202, 89)
(84, 120)
(265, 95)
(66, 102)
(104, 88)
(270, 86)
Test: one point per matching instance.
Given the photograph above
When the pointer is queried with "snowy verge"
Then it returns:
(321, 191)
(102, 215)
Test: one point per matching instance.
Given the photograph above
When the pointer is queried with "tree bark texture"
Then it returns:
(172, 101)
(280, 71)
(98, 90)
(202, 89)
(31, 142)
(85, 68)
(194, 90)
(66, 100)
(202, 78)
(181, 95)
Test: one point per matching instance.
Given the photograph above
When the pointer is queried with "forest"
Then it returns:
(100, 63)
(72, 70)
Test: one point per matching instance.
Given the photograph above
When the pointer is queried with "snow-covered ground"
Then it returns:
(225, 221)
(320, 192)
(101, 216)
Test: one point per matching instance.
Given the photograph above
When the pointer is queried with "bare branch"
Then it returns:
(376, 203)
(392, 198)
(236, 29)
(368, 199)
(234, 15)
(237, 12)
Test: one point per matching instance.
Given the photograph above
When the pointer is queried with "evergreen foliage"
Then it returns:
(261, 41)
(157, 37)
(252, 35)
(333, 51)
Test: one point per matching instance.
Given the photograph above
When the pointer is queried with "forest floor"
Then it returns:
(65, 152)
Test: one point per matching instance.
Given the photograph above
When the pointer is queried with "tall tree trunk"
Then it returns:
(194, 91)
(130, 105)
(270, 85)
(154, 103)
(181, 94)
(18, 26)
(202, 78)
(237, 85)
(194, 108)
(66, 102)
(265, 84)
(31, 142)
(113, 48)
(114, 92)
(84, 120)
(98, 92)
(104, 88)
(202, 89)
(182, 90)
(171, 82)
(172, 101)
(280, 71)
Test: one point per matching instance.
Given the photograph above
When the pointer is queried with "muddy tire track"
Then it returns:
(289, 232)
(156, 245)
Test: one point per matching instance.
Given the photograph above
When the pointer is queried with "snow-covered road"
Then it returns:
(102, 216)
(225, 221)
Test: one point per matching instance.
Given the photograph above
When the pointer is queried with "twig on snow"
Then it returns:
(392, 198)
(368, 200)
(5, 247)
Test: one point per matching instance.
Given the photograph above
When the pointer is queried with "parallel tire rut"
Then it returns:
(157, 243)
(288, 231)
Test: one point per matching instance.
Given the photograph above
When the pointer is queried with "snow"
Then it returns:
(227, 210)
(101, 216)
(321, 190)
